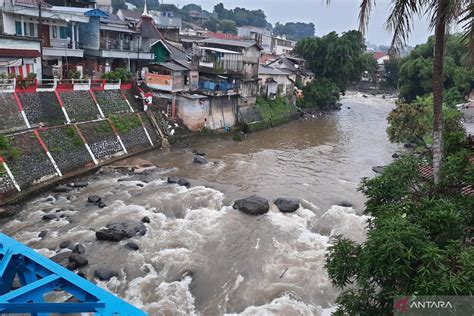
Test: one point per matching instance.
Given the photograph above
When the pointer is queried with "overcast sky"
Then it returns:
(340, 16)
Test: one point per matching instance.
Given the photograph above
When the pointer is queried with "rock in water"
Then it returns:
(79, 248)
(253, 205)
(43, 234)
(146, 219)
(62, 258)
(120, 231)
(378, 169)
(105, 274)
(65, 244)
(132, 246)
(94, 199)
(199, 159)
(184, 183)
(395, 156)
(287, 205)
(78, 260)
(345, 204)
(172, 179)
(49, 217)
(62, 189)
(199, 152)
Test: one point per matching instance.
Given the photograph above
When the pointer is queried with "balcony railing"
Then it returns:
(222, 66)
(211, 87)
(116, 45)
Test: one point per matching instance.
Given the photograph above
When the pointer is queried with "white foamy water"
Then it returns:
(199, 256)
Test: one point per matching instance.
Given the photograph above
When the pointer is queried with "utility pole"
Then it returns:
(40, 22)
(40, 34)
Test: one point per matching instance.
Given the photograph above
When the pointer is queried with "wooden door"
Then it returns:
(44, 34)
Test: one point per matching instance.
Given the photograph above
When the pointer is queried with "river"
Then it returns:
(200, 256)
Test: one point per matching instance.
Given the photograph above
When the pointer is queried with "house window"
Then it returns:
(55, 31)
(18, 28)
(29, 29)
(62, 32)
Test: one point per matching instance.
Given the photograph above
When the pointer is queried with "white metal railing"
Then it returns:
(7, 85)
(112, 84)
(46, 84)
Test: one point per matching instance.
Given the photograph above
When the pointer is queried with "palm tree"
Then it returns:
(443, 13)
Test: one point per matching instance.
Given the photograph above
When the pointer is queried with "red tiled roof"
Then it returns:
(378, 55)
(427, 173)
(21, 53)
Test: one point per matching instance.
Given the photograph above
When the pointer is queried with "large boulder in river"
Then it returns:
(184, 183)
(120, 231)
(253, 205)
(287, 205)
(105, 274)
(199, 159)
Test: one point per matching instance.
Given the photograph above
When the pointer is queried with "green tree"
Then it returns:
(191, 7)
(392, 70)
(118, 4)
(417, 69)
(294, 30)
(241, 16)
(442, 14)
(228, 26)
(413, 123)
(321, 93)
(337, 58)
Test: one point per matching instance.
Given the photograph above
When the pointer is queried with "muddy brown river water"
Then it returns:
(200, 256)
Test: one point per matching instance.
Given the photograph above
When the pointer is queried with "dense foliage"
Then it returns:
(321, 93)
(118, 74)
(416, 240)
(294, 30)
(339, 58)
(415, 77)
(413, 123)
(415, 244)
(241, 16)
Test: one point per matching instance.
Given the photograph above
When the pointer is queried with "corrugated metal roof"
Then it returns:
(265, 70)
(172, 66)
(228, 42)
(220, 50)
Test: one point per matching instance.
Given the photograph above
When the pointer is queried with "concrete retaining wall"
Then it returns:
(67, 133)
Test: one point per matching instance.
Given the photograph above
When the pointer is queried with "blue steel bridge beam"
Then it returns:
(7, 272)
(46, 308)
(32, 291)
(29, 265)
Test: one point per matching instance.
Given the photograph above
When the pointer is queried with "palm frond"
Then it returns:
(400, 21)
(467, 24)
(364, 14)
(450, 13)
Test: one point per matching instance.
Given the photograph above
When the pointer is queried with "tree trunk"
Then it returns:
(440, 30)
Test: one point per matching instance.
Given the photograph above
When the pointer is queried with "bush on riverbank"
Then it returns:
(413, 123)
(322, 93)
(273, 113)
